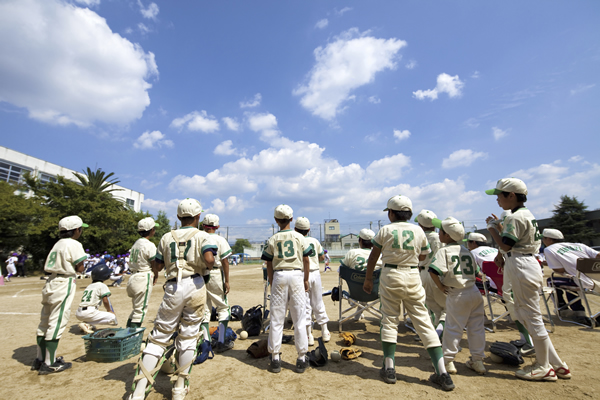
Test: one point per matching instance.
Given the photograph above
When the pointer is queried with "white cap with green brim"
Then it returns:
(451, 226)
(302, 223)
(147, 224)
(283, 211)
(424, 218)
(475, 237)
(71, 222)
(552, 234)
(509, 185)
(211, 220)
(189, 208)
(399, 203)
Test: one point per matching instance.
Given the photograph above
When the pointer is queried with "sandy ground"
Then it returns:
(234, 374)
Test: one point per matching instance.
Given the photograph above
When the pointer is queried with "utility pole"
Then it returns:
(320, 236)
(371, 225)
(227, 234)
(273, 227)
(379, 224)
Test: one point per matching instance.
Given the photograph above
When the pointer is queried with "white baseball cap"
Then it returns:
(366, 234)
(283, 211)
(510, 185)
(147, 224)
(451, 226)
(424, 218)
(211, 220)
(475, 237)
(71, 222)
(302, 223)
(552, 234)
(399, 203)
(189, 208)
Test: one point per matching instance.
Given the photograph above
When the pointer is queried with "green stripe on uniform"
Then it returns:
(62, 310)
(145, 298)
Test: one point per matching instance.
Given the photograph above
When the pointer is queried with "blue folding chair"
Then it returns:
(358, 300)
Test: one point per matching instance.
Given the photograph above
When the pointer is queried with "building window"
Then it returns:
(11, 173)
(44, 178)
(332, 228)
(131, 203)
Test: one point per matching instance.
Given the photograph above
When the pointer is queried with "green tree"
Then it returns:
(97, 180)
(569, 218)
(239, 245)
(19, 214)
(165, 226)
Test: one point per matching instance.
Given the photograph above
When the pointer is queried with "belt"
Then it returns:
(523, 254)
(398, 266)
(191, 276)
(288, 269)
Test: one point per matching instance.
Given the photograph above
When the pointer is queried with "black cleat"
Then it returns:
(37, 363)
(221, 347)
(275, 366)
(59, 365)
(388, 375)
(301, 366)
(443, 380)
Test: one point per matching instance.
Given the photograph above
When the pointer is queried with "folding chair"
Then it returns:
(491, 271)
(358, 300)
(573, 290)
(591, 268)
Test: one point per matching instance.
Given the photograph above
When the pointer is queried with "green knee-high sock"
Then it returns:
(51, 346)
(436, 355)
(524, 332)
(41, 342)
(389, 351)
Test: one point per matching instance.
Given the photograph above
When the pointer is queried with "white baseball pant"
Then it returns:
(139, 288)
(435, 299)
(95, 317)
(314, 300)
(57, 298)
(215, 296)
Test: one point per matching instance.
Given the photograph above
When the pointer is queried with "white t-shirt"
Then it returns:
(565, 255)
(357, 259)
(93, 295)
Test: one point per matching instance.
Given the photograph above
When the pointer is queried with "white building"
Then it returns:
(13, 164)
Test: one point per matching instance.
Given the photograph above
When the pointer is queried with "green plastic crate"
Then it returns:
(125, 344)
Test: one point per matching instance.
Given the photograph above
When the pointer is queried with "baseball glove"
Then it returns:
(350, 353)
(259, 349)
(507, 353)
(104, 334)
(348, 338)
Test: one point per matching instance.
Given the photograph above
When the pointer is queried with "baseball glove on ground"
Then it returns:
(506, 353)
(348, 338)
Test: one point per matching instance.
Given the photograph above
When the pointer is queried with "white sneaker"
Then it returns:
(562, 371)
(536, 372)
(326, 336)
(451, 369)
(476, 366)
(311, 340)
(180, 393)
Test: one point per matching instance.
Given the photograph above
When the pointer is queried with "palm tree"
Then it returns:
(97, 180)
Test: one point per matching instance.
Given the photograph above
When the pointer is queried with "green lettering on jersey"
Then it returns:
(409, 235)
(537, 235)
(87, 296)
(51, 260)
(360, 263)
(465, 267)
(289, 246)
(135, 253)
(173, 247)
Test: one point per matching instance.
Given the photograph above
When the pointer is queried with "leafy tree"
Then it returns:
(239, 245)
(569, 218)
(18, 215)
(165, 226)
(97, 180)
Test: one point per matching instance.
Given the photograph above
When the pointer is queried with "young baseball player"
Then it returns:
(139, 285)
(435, 300)
(402, 245)
(217, 287)
(453, 270)
(94, 295)
(314, 295)
(185, 253)
(520, 240)
(327, 260)
(357, 258)
(63, 263)
(10, 266)
(562, 259)
(477, 245)
(287, 255)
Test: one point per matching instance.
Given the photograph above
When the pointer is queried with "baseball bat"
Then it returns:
(113, 310)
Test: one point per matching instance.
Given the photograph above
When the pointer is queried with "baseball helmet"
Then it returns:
(237, 313)
(101, 272)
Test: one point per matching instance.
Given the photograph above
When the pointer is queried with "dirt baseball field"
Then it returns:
(235, 375)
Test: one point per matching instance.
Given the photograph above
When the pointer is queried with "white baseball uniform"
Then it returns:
(565, 255)
(435, 300)
(91, 301)
(286, 250)
(215, 288)
(357, 259)
(314, 296)
(10, 265)
(59, 290)
(401, 243)
(464, 303)
(139, 285)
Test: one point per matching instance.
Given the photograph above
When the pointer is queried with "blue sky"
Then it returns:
(330, 107)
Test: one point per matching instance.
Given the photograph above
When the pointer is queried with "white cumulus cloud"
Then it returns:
(349, 62)
(197, 121)
(66, 66)
(498, 133)
(149, 12)
(322, 23)
(232, 203)
(231, 124)
(226, 149)
(152, 140)
(265, 123)
(257, 221)
(451, 85)
(88, 3)
(401, 135)
(462, 158)
(411, 64)
(255, 102)
(374, 100)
